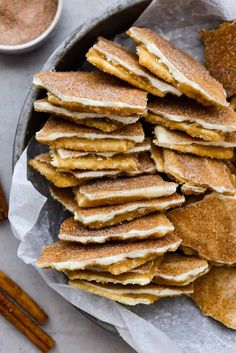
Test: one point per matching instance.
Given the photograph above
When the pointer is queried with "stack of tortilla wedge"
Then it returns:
(144, 133)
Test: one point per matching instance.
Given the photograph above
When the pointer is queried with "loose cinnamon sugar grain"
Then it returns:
(24, 20)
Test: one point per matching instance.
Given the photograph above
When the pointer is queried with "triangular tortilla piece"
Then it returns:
(188, 75)
(181, 138)
(191, 129)
(90, 145)
(208, 227)
(58, 102)
(73, 256)
(102, 123)
(179, 141)
(92, 92)
(219, 54)
(59, 133)
(59, 128)
(104, 216)
(141, 275)
(215, 294)
(118, 292)
(199, 171)
(179, 270)
(44, 106)
(119, 61)
(97, 121)
(127, 299)
(42, 163)
(123, 162)
(139, 147)
(122, 190)
(183, 109)
(145, 166)
(196, 174)
(155, 225)
(62, 179)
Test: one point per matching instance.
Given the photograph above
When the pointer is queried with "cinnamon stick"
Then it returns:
(3, 206)
(22, 298)
(23, 323)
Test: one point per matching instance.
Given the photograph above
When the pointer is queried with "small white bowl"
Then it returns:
(25, 47)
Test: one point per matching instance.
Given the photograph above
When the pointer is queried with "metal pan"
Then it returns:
(69, 56)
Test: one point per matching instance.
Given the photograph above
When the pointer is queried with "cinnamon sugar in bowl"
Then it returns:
(25, 24)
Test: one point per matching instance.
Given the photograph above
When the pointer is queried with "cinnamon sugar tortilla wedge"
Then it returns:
(139, 147)
(186, 188)
(122, 294)
(215, 293)
(182, 142)
(127, 299)
(119, 61)
(74, 256)
(52, 99)
(123, 162)
(220, 55)
(145, 166)
(102, 216)
(208, 123)
(142, 275)
(56, 128)
(62, 179)
(91, 145)
(101, 123)
(122, 190)
(63, 134)
(179, 269)
(155, 225)
(92, 92)
(42, 163)
(199, 171)
(183, 109)
(178, 68)
(208, 227)
(44, 106)
(97, 121)
(191, 129)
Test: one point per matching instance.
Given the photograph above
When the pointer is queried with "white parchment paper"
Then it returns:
(170, 325)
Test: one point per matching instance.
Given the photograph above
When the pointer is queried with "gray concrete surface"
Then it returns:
(72, 331)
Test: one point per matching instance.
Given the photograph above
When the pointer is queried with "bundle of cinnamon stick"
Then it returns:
(24, 313)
